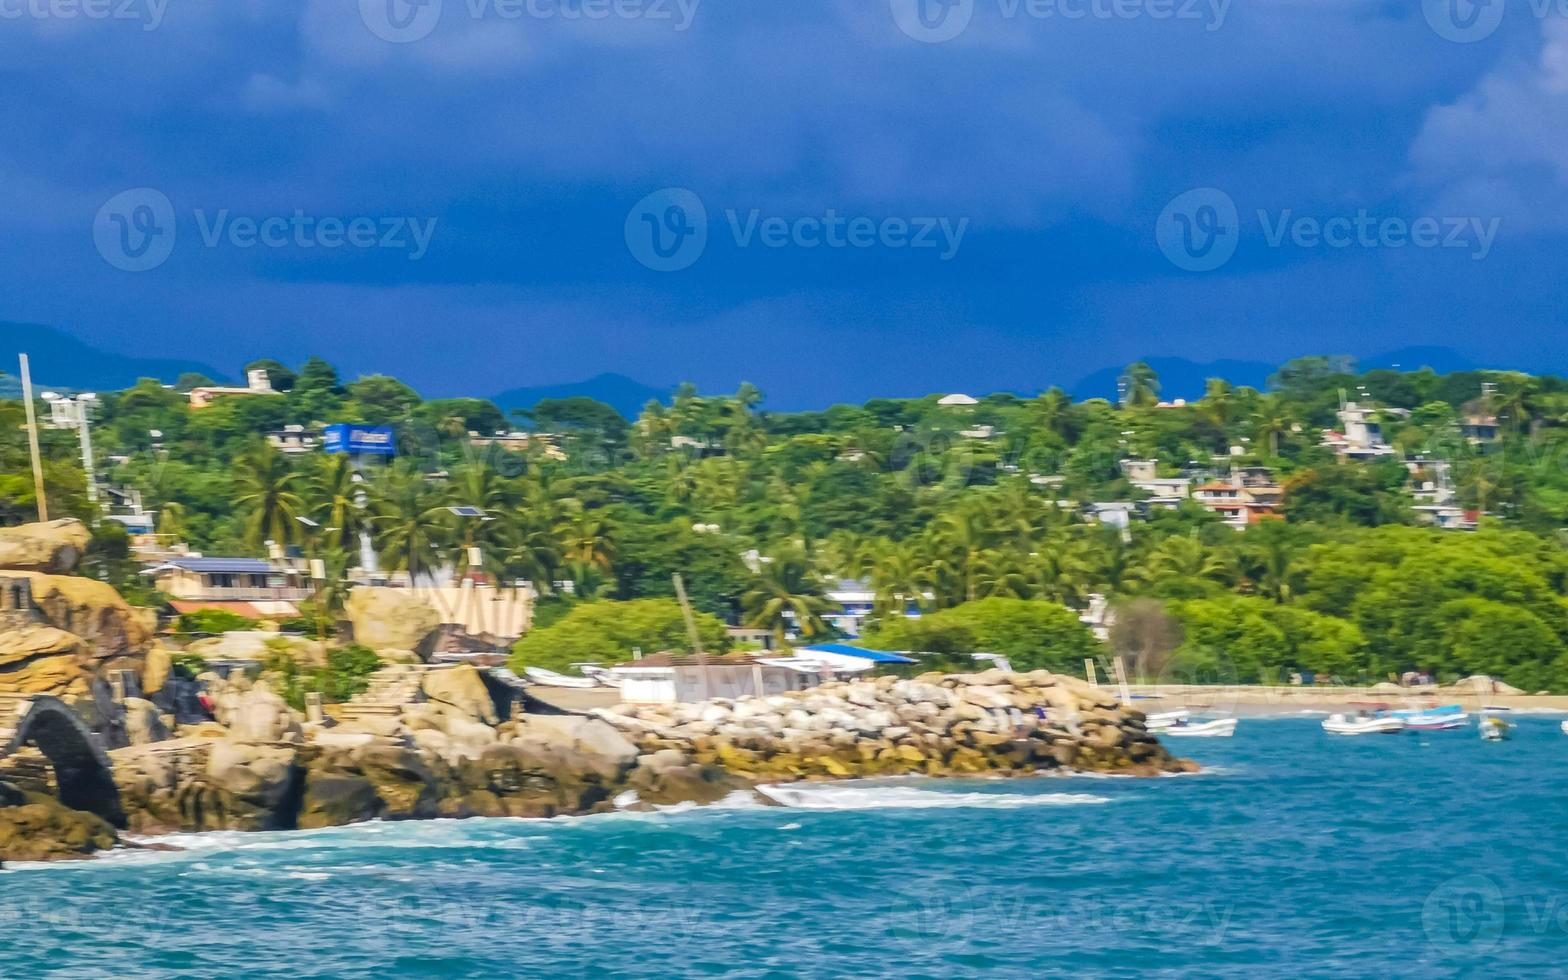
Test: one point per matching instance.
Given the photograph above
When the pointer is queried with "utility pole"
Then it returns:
(87, 451)
(691, 630)
(32, 441)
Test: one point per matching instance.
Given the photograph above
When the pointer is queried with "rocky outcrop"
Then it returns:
(259, 645)
(221, 784)
(251, 710)
(54, 547)
(437, 758)
(144, 724)
(92, 610)
(34, 827)
(938, 725)
(45, 660)
(393, 619)
(462, 689)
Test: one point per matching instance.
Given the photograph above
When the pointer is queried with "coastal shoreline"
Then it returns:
(1279, 700)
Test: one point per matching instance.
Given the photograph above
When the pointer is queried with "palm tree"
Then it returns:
(962, 535)
(1271, 421)
(267, 490)
(1183, 560)
(475, 484)
(1219, 403)
(1140, 386)
(410, 520)
(786, 592)
(898, 579)
(1062, 573)
(336, 497)
(1002, 573)
(587, 537)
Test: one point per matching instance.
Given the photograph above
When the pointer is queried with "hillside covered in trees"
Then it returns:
(974, 511)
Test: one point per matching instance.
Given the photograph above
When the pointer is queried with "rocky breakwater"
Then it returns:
(442, 750)
(990, 723)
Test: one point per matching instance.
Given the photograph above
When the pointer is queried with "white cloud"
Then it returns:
(1501, 149)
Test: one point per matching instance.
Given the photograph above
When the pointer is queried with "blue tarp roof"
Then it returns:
(243, 566)
(875, 656)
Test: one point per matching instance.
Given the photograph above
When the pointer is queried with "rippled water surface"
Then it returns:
(1294, 855)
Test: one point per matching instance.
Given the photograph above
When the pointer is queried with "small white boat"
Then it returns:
(1495, 730)
(1565, 728)
(600, 674)
(1342, 724)
(1436, 722)
(1219, 728)
(1163, 720)
(549, 678)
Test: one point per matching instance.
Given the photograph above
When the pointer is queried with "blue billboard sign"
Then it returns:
(359, 440)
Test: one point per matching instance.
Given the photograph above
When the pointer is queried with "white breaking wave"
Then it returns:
(847, 796)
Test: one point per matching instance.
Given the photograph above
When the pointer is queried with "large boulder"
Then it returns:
(260, 645)
(462, 689)
(393, 619)
(44, 829)
(600, 746)
(259, 715)
(368, 782)
(156, 669)
(93, 611)
(240, 786)
(143, 723)
(45, 660)
(54, 547)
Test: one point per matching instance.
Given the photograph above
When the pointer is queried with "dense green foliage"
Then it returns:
(607, 632)
(1033, 635)
(948, 508)
(211, 622)
(345, 674)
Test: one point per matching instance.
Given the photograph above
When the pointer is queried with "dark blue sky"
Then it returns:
(533, 137)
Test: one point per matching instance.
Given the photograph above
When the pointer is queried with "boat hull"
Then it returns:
(1340, 725)
(1222, 728)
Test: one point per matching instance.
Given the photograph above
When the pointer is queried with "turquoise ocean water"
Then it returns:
(1293, 855)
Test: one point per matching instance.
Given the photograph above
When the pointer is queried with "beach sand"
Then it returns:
(1262, 701)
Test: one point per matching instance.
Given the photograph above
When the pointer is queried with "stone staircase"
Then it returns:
(12, 707)
(391, 689)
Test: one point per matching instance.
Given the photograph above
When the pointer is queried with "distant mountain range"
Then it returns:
(616, 390)
(62, 362)
(1181, 378)
(58, 360)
